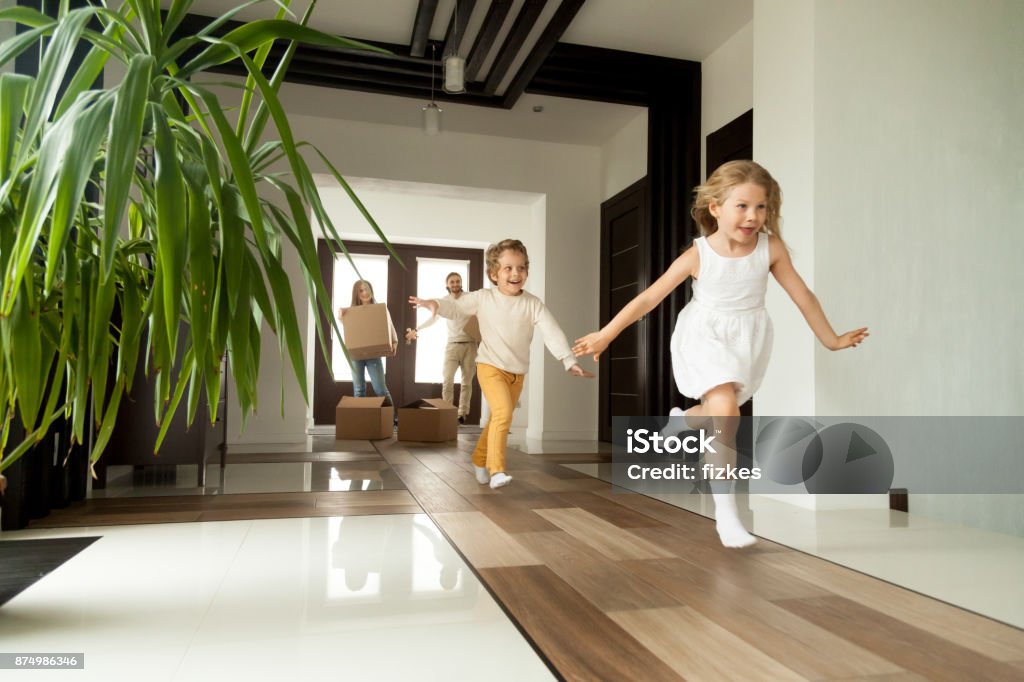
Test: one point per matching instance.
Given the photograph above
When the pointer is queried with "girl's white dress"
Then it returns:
(724, 333)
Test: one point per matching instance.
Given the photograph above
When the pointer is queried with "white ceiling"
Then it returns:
(570, 121)
(682, 29)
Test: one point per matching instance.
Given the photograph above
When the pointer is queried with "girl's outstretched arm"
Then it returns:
(596, 342)
(809, 305)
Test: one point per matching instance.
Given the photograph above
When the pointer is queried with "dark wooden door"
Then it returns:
(624, 274)
(732, 142)
(402, 282)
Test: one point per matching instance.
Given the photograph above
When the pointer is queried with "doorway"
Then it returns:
(415, 371)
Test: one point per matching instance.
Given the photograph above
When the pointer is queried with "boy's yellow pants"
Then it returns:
(501, 389)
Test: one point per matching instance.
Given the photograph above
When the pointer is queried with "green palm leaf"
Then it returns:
(134, 223)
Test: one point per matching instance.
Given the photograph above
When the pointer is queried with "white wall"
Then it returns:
(893, 128)
(624, 157)
(784, 102)
(920, 197)
(568, 176)
(920, 202)
(727, 86)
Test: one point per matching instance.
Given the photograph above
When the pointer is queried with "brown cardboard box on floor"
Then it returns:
(359, 418)
(431, 420)
(369, 332)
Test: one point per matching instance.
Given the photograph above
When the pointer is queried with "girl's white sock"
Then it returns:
(677, 423)
(727, 521)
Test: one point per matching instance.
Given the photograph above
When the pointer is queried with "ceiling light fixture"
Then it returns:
(454, 65)
(432, 112)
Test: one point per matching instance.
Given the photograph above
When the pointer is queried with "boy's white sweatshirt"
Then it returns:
(506, 327)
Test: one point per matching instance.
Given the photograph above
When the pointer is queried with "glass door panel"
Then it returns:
(431, 276)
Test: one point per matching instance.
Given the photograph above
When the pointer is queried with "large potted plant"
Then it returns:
(135, 210)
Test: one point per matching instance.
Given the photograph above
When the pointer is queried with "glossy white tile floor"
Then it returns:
(974, 569)
(354, 598)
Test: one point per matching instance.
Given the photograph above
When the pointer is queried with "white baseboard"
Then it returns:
(877, 501)
(585, 435)
(826, 502)
(268, 438)
(802, 500)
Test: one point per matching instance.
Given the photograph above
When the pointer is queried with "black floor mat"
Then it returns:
(22, 562)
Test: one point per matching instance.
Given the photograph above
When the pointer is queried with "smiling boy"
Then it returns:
(507, 314)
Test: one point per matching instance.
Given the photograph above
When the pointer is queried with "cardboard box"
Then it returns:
(430, 420)
(369, 332)
(359, 418)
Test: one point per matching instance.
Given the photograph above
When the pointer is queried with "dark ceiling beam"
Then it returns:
(528, 15)
(493, 22)
(421, 27)
(603, 75)
(568, 70)
(457, 26)
(373, 85)
(563, 16)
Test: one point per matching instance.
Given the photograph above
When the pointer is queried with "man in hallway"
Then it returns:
(460, 353)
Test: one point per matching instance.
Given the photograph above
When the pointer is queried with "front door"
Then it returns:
(416, 370)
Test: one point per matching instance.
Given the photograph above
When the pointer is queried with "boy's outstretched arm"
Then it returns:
(596, 342)
(554, 339)
(810, 307)
(578, 371)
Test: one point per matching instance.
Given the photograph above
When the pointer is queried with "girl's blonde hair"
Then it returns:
(494, 252)
(722, 181)
(355, 292)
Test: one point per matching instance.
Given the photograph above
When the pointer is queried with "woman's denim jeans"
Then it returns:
(375, 367)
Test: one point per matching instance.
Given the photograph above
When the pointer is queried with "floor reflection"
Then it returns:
(391, 557)
(250, 477)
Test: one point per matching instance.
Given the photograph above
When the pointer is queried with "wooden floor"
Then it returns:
(619, 586)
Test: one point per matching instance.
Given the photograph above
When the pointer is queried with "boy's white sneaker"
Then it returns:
(482, 476)
(500, 479)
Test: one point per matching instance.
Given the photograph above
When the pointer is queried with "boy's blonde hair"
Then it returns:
(494, 252)
(355, 292)
(722, 181)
